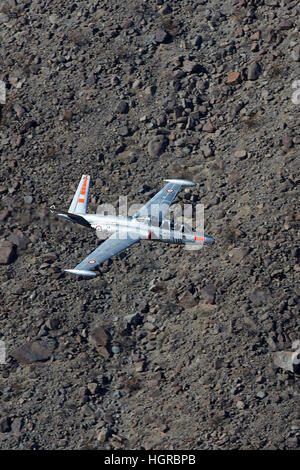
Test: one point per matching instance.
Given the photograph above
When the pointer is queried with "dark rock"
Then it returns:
(254, 71)
(99, 336)
(17, 238)
(19, 110)
(7, 252)
(197, 41)
(27, 126)
(219, 363)
(150, 90)
(161, 36)
(144, 307)
(191, 67)
(156, 145)
(285, 25)
(3, 215)
(52, 323)
(165, 9)
(31, 352)
(208, 293)
(122, 107)
(5, 425)
(260, 296)
(133, 319)
(127, 24)
(114, 80)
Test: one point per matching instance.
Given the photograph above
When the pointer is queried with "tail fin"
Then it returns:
(79, 203)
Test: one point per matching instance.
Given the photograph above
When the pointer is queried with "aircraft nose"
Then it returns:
(210, 240)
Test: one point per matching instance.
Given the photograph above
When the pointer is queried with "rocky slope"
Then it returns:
(168, 348)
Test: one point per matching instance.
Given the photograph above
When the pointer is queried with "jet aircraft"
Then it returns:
(146, 224)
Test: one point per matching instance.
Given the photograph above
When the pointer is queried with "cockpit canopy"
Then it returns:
(178, 226)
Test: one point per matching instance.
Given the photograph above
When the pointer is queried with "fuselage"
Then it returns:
(147, 229)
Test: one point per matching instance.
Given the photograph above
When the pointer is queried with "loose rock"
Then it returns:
(31, 352)
(7, 252)
(254, 70)
(157, 145)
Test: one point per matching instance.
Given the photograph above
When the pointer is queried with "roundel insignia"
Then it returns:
(170, 190)
(92, 261)
(98, 228)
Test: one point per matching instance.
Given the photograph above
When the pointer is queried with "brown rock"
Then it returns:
(285, 25)
(17, 238)
(31, 352)
(234, 77)
(208, 293)
(67, 115)
(191, 67)
(93, 388)
(287, 141)
(140, 366)
(3, 215)
(103, 435)
(240, 154)
(238, 254)
(19, 110)
(103, 351)
(7, 252)
(208, 127)
(187, 300)
(240, 405)
(100, 337)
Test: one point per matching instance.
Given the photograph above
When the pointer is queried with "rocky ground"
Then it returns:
(167, 348)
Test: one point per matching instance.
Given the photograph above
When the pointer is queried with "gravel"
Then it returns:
(167, 348)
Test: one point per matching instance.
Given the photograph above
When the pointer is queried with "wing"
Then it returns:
(118, 242)
(159, 205)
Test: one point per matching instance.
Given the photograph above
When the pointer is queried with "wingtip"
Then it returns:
(181, 181)
(81, 272)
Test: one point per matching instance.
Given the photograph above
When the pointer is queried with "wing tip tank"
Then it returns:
(181, 181)
(81, 272)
